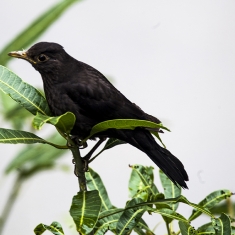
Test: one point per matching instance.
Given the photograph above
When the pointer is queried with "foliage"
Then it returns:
(35, 29)
(35, 158)
(127, 219)
(92, 211)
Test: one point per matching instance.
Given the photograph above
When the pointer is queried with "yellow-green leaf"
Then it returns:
(38, 155)
(54, 228)
(141, 182)
(130, 124)
(170, 189)
(85, 210)
(130, 217)
(23, 93)
(186, 228)
(210, 201)
(64, 123)
(94, 182)
(8, 136)
(222, 225)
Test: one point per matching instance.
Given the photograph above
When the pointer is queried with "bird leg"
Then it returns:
(88, 156)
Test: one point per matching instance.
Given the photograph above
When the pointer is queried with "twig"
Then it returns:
(168, 229)
(79, 166)
(11, 200)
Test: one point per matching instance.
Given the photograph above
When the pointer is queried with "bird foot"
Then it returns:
(86, 165)
(86, 159)
(85, 168)
(78, 142)
(75, 167)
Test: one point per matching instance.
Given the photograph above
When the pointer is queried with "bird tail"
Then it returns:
(164, 159)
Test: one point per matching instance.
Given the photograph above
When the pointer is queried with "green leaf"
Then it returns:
(11, 111)
(110, 212)
(85, 210)
(23, 93)
(130, 217)
(54, 228)
(142, 228)
(206, 229)
(107, 221)
(159, 138)
(222, 225)
(35, 29)
(210, 201)
(141, 182)
(170, 189)
(8, 136)
(130, 124)
(169, 215)
(139, 231)
(94, 182)
(223, 207)
(233, 230)
(112, 142)
(37, 156)
(64, 122)
(103, 227)
(186, 228)
(162, 208)
(181, 199)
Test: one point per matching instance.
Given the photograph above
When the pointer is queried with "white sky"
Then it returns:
(175, 59)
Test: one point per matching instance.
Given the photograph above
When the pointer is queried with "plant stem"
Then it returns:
(230, 207)
(79, 165)
(11, 200)
(168, 229)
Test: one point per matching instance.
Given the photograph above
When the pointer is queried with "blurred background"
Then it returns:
(175, 59)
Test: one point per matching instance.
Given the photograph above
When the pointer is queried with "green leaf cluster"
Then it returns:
(94, 213)
(31, 159)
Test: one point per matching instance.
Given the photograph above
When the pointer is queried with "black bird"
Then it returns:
(71, 85)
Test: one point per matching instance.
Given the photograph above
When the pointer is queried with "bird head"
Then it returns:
(46, 57)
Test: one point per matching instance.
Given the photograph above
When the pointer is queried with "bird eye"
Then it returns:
(42, 58)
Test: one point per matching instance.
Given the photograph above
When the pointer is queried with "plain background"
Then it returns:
(175, 59)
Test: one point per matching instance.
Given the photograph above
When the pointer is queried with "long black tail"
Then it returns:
(163, 158)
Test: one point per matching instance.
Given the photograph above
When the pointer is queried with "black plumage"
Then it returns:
(74, 86)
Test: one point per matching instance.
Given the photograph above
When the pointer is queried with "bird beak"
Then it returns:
(21, 55)
(18, 54)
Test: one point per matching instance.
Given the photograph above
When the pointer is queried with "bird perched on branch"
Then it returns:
(71, 85)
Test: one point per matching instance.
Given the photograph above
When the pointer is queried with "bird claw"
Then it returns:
(85, 163)
(83, 145)
(78, 142)
(75, 167)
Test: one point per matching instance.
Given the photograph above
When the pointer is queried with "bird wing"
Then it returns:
(97, 98)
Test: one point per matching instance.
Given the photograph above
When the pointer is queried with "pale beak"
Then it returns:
(21, 55)
(18, 54)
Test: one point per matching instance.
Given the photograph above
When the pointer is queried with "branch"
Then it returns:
(79, 165)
